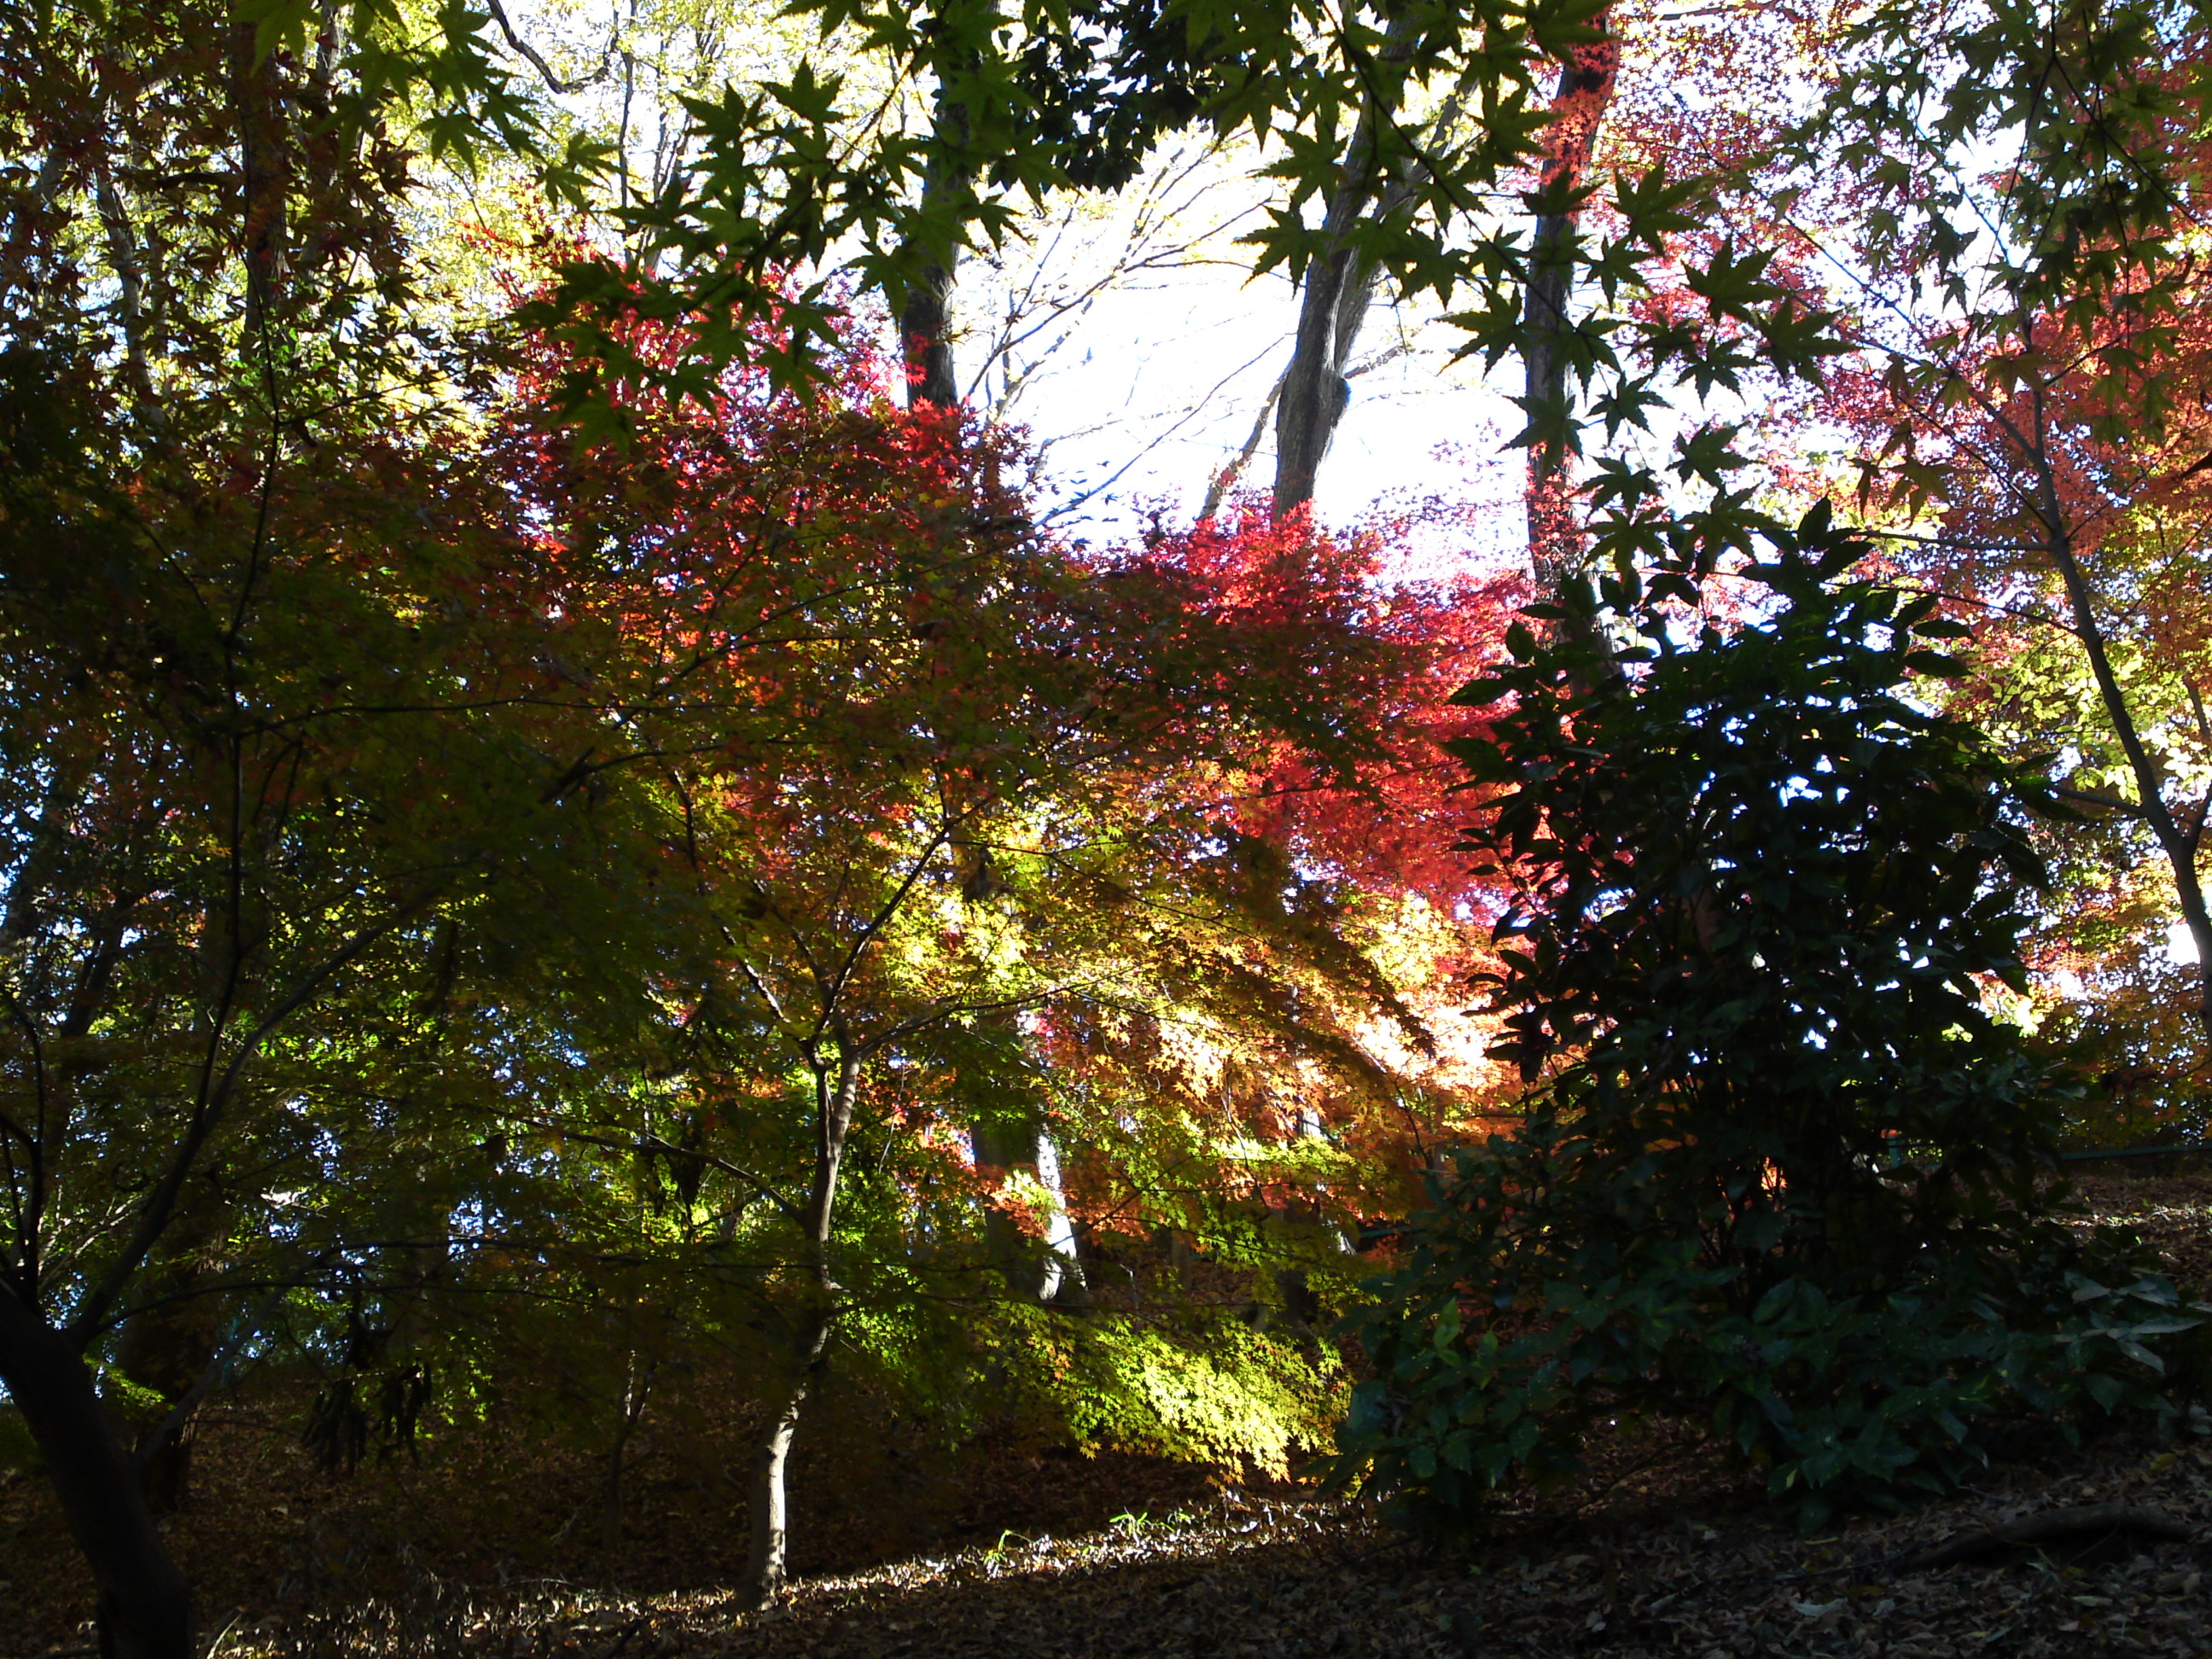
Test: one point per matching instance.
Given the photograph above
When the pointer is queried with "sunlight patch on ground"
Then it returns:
(557, 1616)
(1232, 1523)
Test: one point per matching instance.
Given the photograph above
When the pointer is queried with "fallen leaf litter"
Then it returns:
(1656, 1555)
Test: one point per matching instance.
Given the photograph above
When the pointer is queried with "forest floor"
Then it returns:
(1037, 1557)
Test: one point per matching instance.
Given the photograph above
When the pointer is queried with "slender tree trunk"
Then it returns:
(1218, 490)
(1556, 549)
(145, 1603)
(611, 1497)
(1066, 1289)
(122, 255)
(2180, 842)
(836, 1081)
(768, 1544)
(638, 1386)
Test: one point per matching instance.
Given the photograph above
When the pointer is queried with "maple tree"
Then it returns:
(241, 398)
(2030, 444)
(255, 766)
(929, 779)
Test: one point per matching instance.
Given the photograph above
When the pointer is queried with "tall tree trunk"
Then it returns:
(1331, 306)
(836, 1081)
(769, 1543)
(131, 300)
(1557, 548)
(145, 1603)
(926, 311)
(925, 322)
(258, 110)
(2180, 834)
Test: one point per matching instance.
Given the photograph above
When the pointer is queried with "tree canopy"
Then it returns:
(576, 832)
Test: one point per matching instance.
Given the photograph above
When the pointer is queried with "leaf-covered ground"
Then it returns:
(1655, 1555)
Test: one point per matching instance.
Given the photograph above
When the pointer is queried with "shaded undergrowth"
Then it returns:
(485, 1548)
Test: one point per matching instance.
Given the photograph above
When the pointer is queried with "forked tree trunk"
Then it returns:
(1333, 303)
(145, 1602)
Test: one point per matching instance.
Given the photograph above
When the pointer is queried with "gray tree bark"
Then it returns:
(926, 309)
(1052, 1275)
(1333, 304)
(767, 1557)
(837, 1068)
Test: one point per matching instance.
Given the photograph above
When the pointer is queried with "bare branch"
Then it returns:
(524, 49)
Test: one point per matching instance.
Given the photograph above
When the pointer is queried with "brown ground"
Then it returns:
(1011, 1554)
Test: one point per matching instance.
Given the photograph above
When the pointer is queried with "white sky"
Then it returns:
(1150, 385)
(1415, 426)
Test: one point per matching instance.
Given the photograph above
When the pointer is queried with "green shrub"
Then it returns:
(1781, 1174)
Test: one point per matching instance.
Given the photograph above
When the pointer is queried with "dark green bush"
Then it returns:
(1782, 1173)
